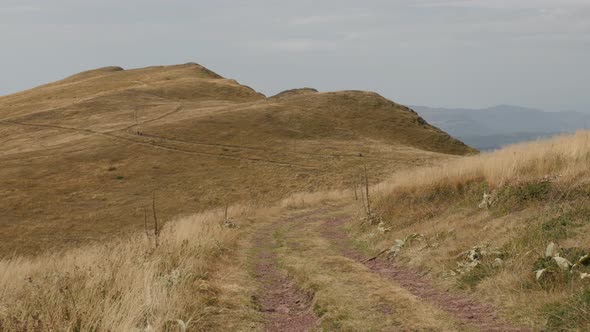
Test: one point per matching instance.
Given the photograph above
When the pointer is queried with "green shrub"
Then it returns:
(475, 276)
(563, 226)
(557, 228)
(515, 197)
(554, 277)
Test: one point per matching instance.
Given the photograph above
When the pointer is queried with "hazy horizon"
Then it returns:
(438, 53)
(497, 106)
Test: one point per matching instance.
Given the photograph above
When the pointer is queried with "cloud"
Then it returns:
(330, 18)
(526, 23)
(501, 4)
(19, 9)
(296, 45)
(423, 51)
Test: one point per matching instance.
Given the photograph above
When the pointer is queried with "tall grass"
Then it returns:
(124, 285)
(540, 194)
(305, 200)
(130, 284)
(566, 156)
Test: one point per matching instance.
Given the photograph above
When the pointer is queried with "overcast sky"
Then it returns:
(462, 53)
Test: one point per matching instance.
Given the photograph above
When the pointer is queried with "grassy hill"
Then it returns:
(462, 245)
(496, 241)
(509, 227)
(82, 156)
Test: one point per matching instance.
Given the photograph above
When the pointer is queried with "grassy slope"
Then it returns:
(539, 194)
(132, 285)
(81, 157)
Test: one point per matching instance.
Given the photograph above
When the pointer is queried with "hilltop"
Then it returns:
(81, 157)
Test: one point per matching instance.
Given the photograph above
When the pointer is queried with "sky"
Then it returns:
(445, 53)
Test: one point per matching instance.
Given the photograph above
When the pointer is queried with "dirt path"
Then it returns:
(319, 265)
(176, 109)
(284, 307)
(480, 316)
(344, 294)
(153, 145)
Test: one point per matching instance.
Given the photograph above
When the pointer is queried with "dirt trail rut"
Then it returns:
(470, 312)
(285, 308)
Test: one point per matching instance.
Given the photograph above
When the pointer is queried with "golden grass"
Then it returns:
(122, 285)
(197, 276)
(346, 295)
(127, 284)
(566, 156)
(540, 194)
(306, 200)
(81, 157)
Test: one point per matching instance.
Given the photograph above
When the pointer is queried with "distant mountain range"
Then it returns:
(493, 127)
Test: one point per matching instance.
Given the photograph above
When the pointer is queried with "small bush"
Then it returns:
(472, 278)
(562, 226)
(515, 197)
(533, 191)
(557, 228)
(554, 277)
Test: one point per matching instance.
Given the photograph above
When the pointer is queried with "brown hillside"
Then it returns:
(81, 157)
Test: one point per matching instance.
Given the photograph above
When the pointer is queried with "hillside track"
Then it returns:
(284, 307)
(175, 110)
(314, 244)
(154, 145)
(482, 317)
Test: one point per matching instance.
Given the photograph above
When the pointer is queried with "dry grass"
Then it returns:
(307, 200)
(346, 295)
(123, 285)
(197, 276)
(540, 193)
(80, 158)
(74, 168)
(566, 156)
